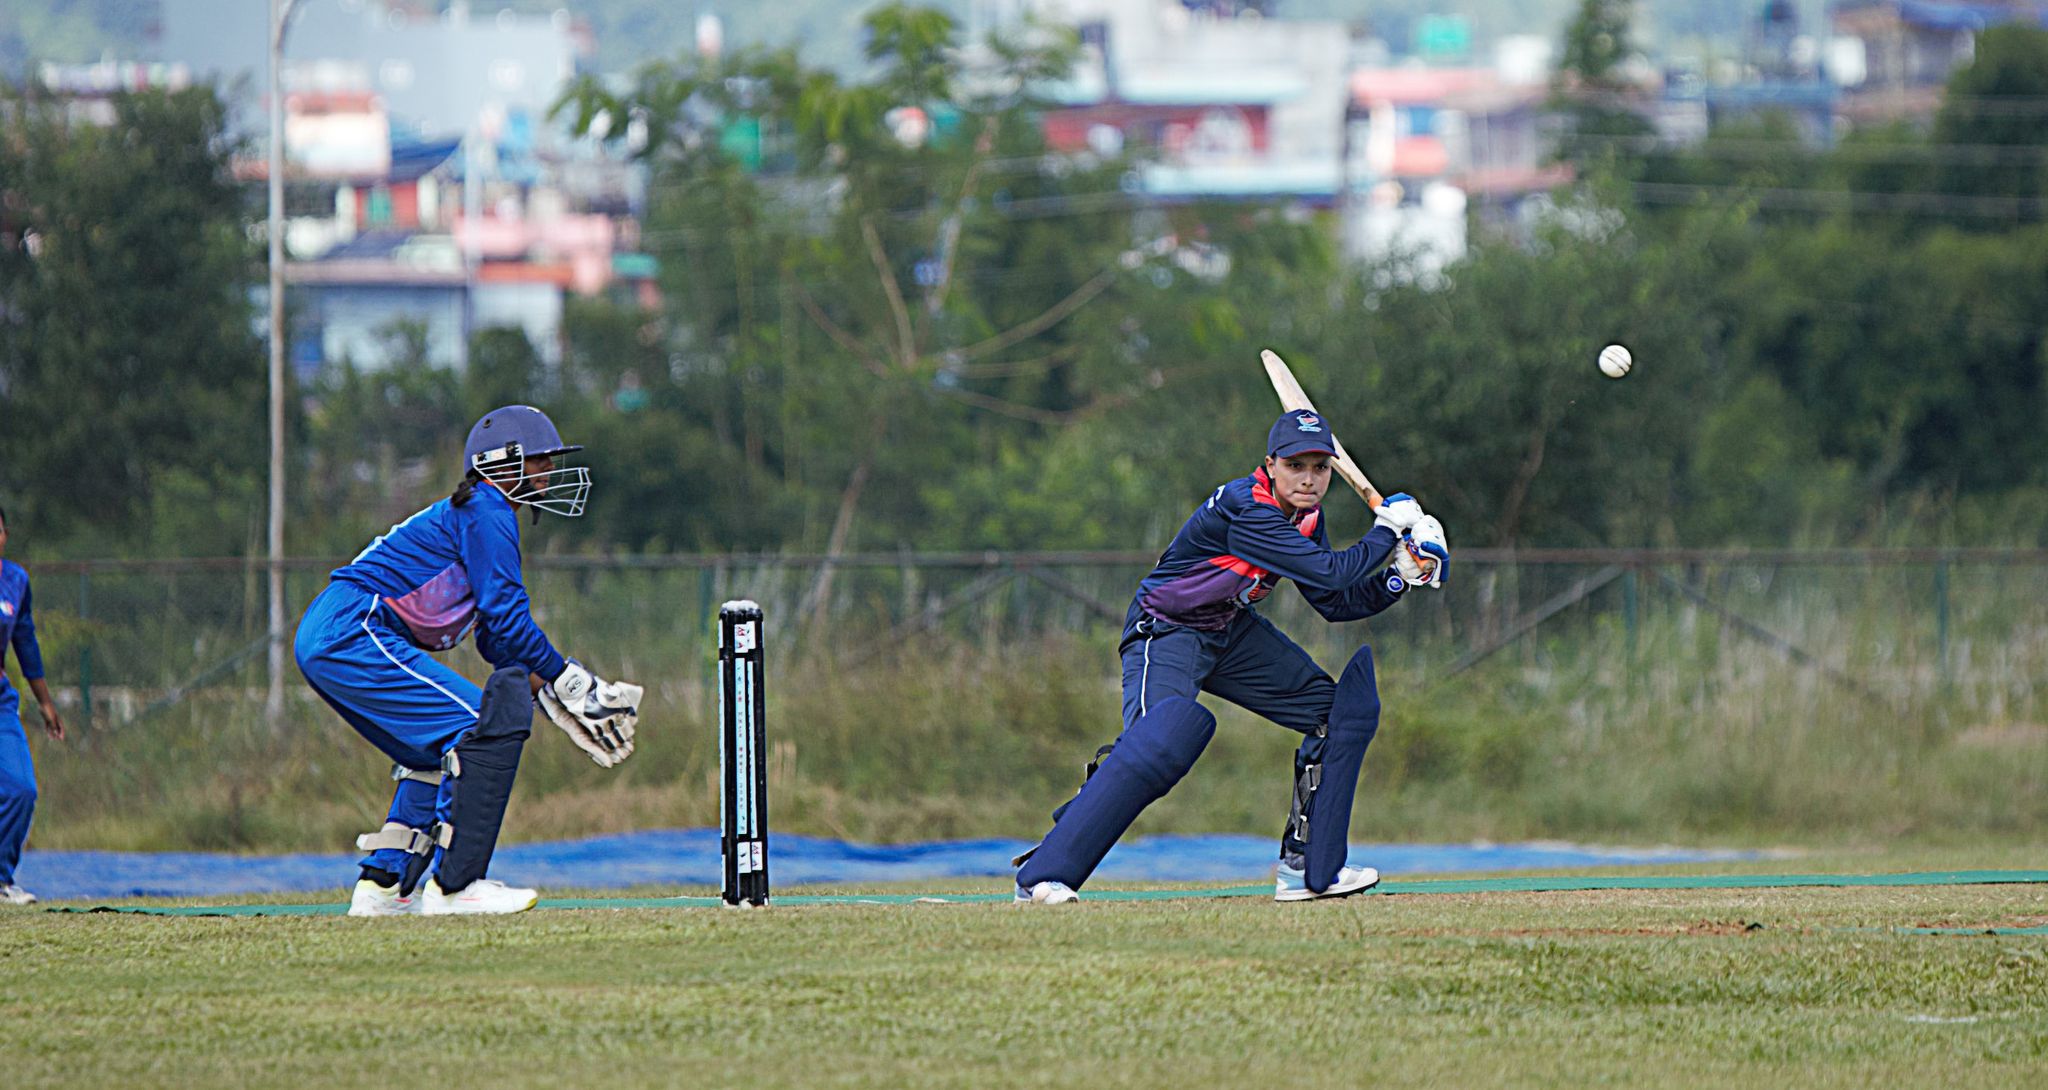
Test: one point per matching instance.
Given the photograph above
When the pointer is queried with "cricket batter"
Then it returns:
(17, 773)
(364, 646)
(1192, 627)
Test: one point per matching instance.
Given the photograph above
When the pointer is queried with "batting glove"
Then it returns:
(1423, 554)
(1399, 512)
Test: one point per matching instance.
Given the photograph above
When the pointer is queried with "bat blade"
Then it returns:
(1293, 397)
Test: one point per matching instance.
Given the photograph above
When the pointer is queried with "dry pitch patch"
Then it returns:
(1667, 987)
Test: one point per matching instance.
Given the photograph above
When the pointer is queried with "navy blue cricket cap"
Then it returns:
(1300, 432)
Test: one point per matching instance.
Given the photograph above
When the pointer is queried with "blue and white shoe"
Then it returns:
(1047, 893)
(1292, 885)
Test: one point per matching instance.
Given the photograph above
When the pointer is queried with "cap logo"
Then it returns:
(1308, 422)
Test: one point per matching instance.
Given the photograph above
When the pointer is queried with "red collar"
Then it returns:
(1304, 519)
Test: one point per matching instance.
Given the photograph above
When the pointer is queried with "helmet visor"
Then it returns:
(562, 490)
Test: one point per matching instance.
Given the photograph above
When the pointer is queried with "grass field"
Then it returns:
(1663, 729)
(1730, 987)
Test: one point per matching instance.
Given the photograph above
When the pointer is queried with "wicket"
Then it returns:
(742, 754)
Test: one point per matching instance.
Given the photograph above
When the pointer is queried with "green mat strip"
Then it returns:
(1974, 930)
(1534, 884)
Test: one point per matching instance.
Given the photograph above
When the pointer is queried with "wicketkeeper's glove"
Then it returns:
(597, 715)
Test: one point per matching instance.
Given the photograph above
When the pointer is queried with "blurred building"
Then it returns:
(435, 71)
(1903, 51)
(1218, 100)
(1435, 140)
(426, 186)
(1222, 101)
(1782, 72)
(86, 90)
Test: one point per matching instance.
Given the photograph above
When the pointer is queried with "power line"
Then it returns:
(1824, 200)
(1978, 105)
(1993, 105)
(1767, 150)
(1016, 164)
(1090, 203)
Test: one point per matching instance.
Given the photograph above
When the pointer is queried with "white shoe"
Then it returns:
(15, 895)
(1292, 885)
(1047, 893)
(483, 897)
(371, 899)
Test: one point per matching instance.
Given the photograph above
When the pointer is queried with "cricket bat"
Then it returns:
(1292, 397)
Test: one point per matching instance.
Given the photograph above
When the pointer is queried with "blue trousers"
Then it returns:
(17, 783)
(1252, 664)
(395, 695)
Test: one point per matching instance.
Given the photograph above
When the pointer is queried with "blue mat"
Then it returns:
(690, 857)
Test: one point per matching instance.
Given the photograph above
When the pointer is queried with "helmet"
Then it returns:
(504, 439)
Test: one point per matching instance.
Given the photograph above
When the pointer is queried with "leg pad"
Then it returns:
(480, 770)
(1324, 789)
(1148, 759)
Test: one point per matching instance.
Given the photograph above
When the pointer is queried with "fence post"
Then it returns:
(1941, 618)
(1628, 611)
(707, 589)
(84, 648)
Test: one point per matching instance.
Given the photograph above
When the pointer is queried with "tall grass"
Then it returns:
(1656, 723)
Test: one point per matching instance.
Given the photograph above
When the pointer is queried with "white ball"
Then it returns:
(1615, 361)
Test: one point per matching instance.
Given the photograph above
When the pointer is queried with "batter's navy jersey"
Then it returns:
(1237, 547)
(448, 569)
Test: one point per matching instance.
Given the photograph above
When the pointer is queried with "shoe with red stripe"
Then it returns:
(483, 897)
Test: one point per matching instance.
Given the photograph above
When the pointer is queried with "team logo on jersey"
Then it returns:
(6, 609)
(1309, 422)
(1395, 584)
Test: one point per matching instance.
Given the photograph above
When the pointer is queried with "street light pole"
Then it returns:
(273, 704)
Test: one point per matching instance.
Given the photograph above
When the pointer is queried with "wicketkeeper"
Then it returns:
(364, 647)
(1193, 627)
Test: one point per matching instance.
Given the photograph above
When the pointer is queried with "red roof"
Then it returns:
(332, 102)
(1416, 86)
(1420, 157)
(525, 272)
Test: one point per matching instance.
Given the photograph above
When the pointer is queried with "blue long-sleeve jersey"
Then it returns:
(17, 625)
(1240, 543)
(448, 569)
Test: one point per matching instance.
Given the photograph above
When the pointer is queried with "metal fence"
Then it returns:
(124, 639)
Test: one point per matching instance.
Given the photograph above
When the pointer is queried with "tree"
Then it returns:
(378, 440)
(127, 351)
(874, 283)
(1589, 89)
(503, 369)
(1990, 115)
(1597, 43)
(1919, 363)
(1480, 393)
